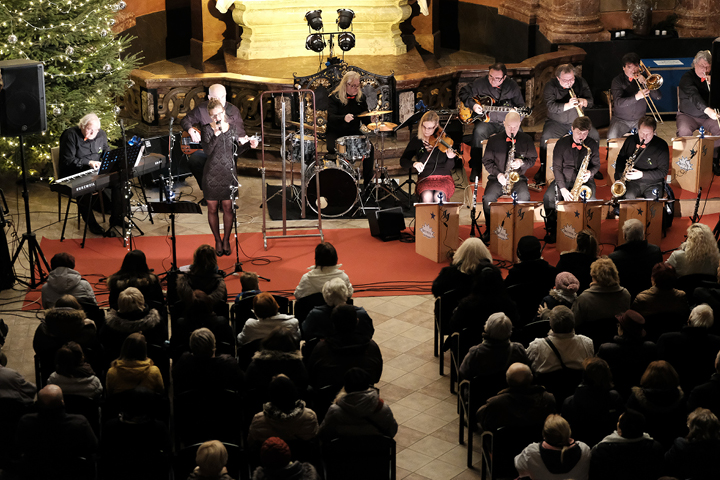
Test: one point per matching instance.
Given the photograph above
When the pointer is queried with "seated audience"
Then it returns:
(593, 409)
(133, 368)
(135, 272)
(358, 410)
(284, 415)
(707, 395)
(318, 324)
(695, 456)
(266, 309)
(132, 315)
(522, 404)
(605, 297)
(709, 293)
(276, 463)
(199, 314)
(692, 350)
(563, 293)
(698, 254)
(325, 268)
(73, 374)
(203, 275)
(14, 386)
(628, 453)
(64, 280)
(660, 398)
(211, 458)
(532, 269)
(496, 352)
(201, 369)
(557, 456)
(628, 354)
(662, 298)
(573, 349)
(635, 258)
(459, 274)
(250, 285)
(578, 261)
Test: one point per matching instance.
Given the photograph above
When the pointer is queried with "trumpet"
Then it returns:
(653, 81)
(577, 107)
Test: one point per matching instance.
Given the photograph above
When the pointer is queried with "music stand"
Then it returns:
(172, 209)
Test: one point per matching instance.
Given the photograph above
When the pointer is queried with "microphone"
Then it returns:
(656, 194)
(172, 120)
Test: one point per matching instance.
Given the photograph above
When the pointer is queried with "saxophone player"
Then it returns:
(495, 161)
(568, 156)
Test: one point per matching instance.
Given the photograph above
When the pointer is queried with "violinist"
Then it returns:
(694, 108)
(629, 104)
(434, 159)
(495, 161)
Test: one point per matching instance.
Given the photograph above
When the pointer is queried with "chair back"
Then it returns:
(561, 383)
(527, 298)
(600, 331)
(87, 407)
(246, 351)
(359, 458)
(688, 283)
(305, 304)
(507, 443)
(531, 331)
(202, 415)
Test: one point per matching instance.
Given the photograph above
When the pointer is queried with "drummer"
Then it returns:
(346, 102)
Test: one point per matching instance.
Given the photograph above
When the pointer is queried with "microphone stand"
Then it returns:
(128, 223)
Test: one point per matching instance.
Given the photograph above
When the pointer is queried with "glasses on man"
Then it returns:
(496, 79)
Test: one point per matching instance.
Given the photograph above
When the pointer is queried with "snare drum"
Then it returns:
(338, 188)
(353, 148)
(294, 153)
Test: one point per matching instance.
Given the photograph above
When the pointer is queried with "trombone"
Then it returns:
(653, 81)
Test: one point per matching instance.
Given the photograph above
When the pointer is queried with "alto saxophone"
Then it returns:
(618, 188)
(511, 176)
(579, 188)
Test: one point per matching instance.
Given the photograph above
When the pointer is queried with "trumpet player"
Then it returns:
(694, 107)
(568, 155)
(495, 161)
(566, 96)
(651, 163)
(629, 92)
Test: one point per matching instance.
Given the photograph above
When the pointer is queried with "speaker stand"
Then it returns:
(35, 253)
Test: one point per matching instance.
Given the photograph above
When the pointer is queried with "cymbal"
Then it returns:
(297, 124)
(375, 112)
(382, 127)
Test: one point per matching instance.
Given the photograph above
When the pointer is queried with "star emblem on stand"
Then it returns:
(577, 214)
(508, 214)
(640, 211)
(432, 215)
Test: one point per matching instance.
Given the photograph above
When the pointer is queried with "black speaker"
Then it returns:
(386, 224)
(22, 98)
(715, 70)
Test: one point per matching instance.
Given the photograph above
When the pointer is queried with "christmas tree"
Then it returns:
(85, 68)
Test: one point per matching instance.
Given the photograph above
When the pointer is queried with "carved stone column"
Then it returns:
(525, 11)
(698, 18)
(207, 33)
(570, 21)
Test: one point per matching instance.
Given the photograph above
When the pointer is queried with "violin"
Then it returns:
(442, 141)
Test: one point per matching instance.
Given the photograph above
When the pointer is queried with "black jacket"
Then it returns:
(635, 261)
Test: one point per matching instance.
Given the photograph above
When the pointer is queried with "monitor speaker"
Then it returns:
(715, 70)
(386, 224)
(22, 98)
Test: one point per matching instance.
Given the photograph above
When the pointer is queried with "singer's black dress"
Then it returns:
(220, 171)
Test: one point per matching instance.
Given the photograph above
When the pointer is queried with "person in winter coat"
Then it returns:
(605, 297)
(64, 280)
(276, 463)
(358, 410)
(63, 323)
(73, 375)
(132, 315)
(203, 275)
(573, 349)
(266, 309)
(563, 293)
(135, 272)
(325, 268)
(318, 324)
(695, 456)
(133, 368)
(459, 275)
(211, 458)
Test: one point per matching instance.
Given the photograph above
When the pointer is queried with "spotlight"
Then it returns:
(345, 18)
(315, 43)
(346, 41)
(314, 19)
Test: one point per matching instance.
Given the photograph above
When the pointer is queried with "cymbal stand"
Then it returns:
(380, 177)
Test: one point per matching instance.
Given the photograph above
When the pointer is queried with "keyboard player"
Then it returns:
(81, 149)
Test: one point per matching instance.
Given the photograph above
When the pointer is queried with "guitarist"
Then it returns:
(199, 117)
(498, 92)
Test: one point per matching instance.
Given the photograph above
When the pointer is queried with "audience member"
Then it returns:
(709, 293)
(578, 261)
(628, 354)
(699, 254)
(284, 415)
(635, 258)
(570, 349)
(203, 275)
(563, 293)
(707, 395)
(276, 463)
(628, 453)
(695, 456)
(266, 309)
(73, 374)
(660, 398)
(605, 297)
(133, 368)
(318, 325)
(201, 369)
(325, 268)
(558, 456)
(459, 274)
(522, 404)
(496, 352)
(132, 315)
(532, 269)
(211, 458)
(135, 272)
(662, 299)
(64, 280)
(358, 410)
(13, 386)
(250, 285)
(199, 314)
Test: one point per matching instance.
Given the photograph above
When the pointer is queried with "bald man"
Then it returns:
(521, 404)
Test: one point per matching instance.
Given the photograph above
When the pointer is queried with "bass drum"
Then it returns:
(338, 188)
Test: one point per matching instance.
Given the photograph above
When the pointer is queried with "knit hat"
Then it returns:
(631, 323)
(528, 248)
(567, 281)
(356, 380)
(274, 453)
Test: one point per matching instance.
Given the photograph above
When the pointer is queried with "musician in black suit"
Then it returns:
(502, 92)
(645, 179)
(81, 149)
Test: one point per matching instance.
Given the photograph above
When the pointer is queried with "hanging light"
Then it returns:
(345, 18)
(315, 42)
(346, 41)
(314, 19)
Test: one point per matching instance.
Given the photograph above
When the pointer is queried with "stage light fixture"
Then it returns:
(315, 43)
(346, 41)
(345, 18)
(314, 19)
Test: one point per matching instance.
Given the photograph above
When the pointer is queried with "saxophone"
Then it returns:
(579, 188)
(618, 188)
(511, 176)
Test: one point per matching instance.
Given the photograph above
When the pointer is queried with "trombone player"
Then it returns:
(630, 96)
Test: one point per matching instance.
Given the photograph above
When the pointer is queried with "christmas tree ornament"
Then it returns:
(112, 22)
(107, 67)
(57, 111)
(103, 33)
(69, 50)
(116, 110)
(12, 38)
(121, 5)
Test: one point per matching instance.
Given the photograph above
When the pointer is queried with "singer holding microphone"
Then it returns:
(219, 178)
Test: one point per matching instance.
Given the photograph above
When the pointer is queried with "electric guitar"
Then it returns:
(467, 115)
(188, 147)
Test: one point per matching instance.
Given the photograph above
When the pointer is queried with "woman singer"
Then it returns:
(434, 167)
